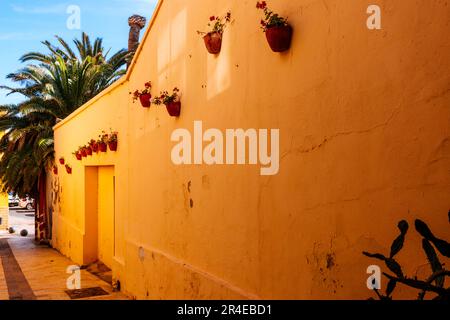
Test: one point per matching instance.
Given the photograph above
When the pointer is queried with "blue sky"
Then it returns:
(25, 23)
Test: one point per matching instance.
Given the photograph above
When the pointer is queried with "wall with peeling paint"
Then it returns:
(365, 142)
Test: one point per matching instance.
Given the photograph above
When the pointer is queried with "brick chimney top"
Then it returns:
(137, 20)
(136, 23)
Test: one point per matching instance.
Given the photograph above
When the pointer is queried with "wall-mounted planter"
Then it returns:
(279, 38)
(171, 101)
(93, 145)
(213, 38)
(62, 161)
(89, 151)
(213, 42)
(112, 146)
(84, 152)
(78, 156)
(102, 147)
(55, 170)
(174, 108)
(68, 169)
(145, 100)
(144, 96)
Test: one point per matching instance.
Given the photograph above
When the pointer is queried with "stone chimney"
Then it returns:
(136, 23)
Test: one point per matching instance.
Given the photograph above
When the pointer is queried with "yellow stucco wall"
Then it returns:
(364, 142)
(4, 211)
(4, 207)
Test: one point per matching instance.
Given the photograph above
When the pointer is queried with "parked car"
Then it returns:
(13, 201)
(26, 203)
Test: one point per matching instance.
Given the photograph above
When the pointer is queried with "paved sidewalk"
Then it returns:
(29, 272)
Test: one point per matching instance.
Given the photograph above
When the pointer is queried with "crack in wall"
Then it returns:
(327, 140)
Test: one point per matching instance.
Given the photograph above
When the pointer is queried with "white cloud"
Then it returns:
(55, 9)
(9, 36)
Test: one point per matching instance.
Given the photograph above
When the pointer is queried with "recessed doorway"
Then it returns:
(100, 213)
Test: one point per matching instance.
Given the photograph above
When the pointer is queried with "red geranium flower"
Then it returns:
(217, 23)
(138, 93)
(271, 19)
(261, 5)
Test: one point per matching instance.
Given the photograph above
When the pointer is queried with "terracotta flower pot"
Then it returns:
(279, 38)
(62, 161)
(145, 100)
(69, 170)
(78, 155)
(84, 153)
(112, 145)
(102, 147)
(174, 108)
(94, 147)
(213, 42)
(55, 170)
(89, 151)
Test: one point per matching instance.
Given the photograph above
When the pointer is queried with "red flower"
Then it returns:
(261, 5)
(212, 18)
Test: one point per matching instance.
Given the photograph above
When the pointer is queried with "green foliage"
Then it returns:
(166, 98)
(54, 84)
(271, 19)
(217, 23)
(435, 282)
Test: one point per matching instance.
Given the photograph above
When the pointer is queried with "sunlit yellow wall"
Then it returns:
(4, 211)
(364, 122)
(106, 114)
(4, 206)
(105, 207)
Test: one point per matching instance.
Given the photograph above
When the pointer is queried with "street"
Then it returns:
(37, 272)
(20, 219)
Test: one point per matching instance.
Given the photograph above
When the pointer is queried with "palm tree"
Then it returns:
(67, 78)
(54, 84)
(26, 148)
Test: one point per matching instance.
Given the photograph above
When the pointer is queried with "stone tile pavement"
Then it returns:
(3, 287)
(29, 271)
